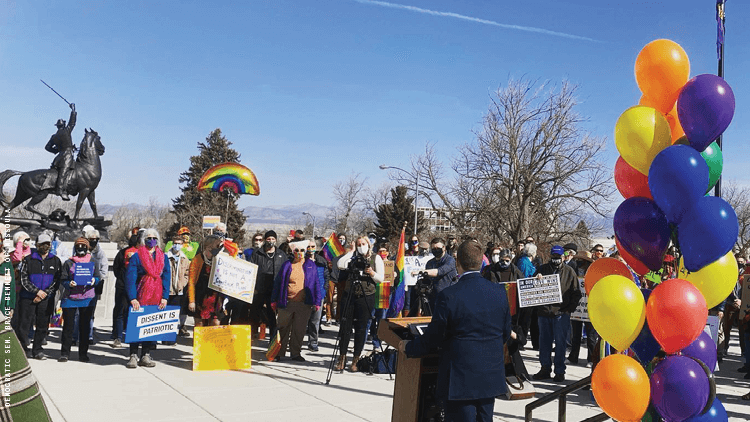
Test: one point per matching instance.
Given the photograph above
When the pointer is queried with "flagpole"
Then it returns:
(720, 15)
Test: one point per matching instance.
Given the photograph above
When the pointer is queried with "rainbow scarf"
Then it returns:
(399, 289)
(332, 248)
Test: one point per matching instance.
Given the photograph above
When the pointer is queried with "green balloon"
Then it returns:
(715, 160)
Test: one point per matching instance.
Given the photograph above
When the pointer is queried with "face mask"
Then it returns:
(310, 252)
(496, 258)
(504, 264)
(268, 244)
(81, 252)
(151, 243)
(415, 242)
(257, 244)
(176, 247)
(215, 251)
(43, 248)
(556, 262)
(740, 265)
(362, 249)
(384, 255)
(93, 243)
(438, 252)
(300, 255)
(342, 241)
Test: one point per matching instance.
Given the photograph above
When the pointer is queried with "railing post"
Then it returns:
(561, 408)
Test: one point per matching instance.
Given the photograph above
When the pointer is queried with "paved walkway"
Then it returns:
(104, 390)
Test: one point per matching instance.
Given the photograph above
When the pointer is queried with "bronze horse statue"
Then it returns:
(38, 184)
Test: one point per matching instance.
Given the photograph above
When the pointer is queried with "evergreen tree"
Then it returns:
(192, 204)
(391, 217)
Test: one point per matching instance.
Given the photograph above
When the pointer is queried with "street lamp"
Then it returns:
(313, 220)
(416, 189)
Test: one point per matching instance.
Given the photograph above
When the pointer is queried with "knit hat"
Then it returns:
(557, 250)
(270, 233)
(183, 230)
(82, 241)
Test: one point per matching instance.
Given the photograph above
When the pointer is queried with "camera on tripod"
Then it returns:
(358, 265)
(424, 284)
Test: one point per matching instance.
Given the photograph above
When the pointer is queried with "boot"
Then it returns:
(354, 368)
(341, 363)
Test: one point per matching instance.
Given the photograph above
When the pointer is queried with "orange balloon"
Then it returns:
(674, 124)
(661, 69)
(621, 388)
(603, 267)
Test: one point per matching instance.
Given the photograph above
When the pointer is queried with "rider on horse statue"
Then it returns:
(61, 143)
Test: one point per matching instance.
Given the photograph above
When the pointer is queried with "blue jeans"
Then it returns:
(372, 326)
(555, 329)
(120, 314)
(747, 347)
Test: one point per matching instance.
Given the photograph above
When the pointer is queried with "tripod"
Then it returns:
(424, 289)
(347, 322)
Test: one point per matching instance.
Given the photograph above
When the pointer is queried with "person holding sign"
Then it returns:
(297, 291)
(554, 320)
(147, 281)
(206, 303)
(78, 293)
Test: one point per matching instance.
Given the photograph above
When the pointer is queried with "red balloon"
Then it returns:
(676, 313)
(631, 182)
(636, 265)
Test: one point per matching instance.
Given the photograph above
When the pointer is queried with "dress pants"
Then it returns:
(479, 410)
(69, 321)
(33, 313)
(292, 324)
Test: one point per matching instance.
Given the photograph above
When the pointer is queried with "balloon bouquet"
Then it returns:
(668, 162)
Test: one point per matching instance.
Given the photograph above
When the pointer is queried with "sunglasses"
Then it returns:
(150, 238)
(599, 250)
(299, 250)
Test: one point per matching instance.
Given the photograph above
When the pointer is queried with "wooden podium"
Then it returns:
(413, 392)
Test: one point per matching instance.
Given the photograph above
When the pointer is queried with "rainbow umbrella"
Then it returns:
(231, 179)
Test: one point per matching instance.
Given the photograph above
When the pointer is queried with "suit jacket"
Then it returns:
(470, 324)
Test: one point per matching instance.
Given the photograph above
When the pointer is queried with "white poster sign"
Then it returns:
(539, 291)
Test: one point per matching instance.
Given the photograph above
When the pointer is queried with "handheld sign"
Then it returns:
(222, 347)
(389, 266)
(233, 277)
(150, 323)
(84, 273)
(210, 221)
(745, 297)
(414, 263)
(582, 310)
(539, 291)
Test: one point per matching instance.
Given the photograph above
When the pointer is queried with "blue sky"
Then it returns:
(310, 91)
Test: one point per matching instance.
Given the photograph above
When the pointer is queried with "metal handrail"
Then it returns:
(562, 395)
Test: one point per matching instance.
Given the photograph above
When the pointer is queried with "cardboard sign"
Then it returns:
(150, 323)
(582, 310)
(233, 277)
(222, 347)
(414, 263)
(390, 267)
(84, 273)
(745, 296)
(539, 291)
(210, 221)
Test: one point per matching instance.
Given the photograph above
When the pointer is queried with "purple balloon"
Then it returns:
(702, 349)
(645, 345)
(705, 108)
(643, 230)
(679, 388)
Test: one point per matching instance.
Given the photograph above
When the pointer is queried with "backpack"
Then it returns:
(376, 362)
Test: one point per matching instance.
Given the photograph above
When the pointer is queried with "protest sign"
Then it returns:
(150, 323)
(539, 291)
(745, 297)
(222, 347)
(414, 263)
(582, 310)
(84, 273)
(233, 277)
(389, 271)
(210, 221)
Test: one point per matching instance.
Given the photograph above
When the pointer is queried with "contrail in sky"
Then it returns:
(471, 19)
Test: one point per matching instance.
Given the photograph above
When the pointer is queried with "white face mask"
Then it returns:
(362, 249)
(495, 258)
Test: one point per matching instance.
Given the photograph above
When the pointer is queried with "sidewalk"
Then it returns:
(104, 390)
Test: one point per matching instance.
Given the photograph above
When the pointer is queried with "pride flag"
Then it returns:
(383, 295)
(399, 287)
(332, 248)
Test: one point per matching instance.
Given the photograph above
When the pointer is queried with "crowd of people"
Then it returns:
(298, 292)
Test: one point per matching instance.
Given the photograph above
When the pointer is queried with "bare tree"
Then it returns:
(532, 169)
(153, 215)
(348, 213)
(739, 198)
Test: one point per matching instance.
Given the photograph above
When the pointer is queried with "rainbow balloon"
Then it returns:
(232, 177)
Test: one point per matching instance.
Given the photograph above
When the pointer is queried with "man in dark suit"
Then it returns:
(470, 325)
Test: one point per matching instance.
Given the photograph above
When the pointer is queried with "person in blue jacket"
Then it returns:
(470, 324)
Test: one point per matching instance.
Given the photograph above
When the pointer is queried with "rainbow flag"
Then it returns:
(274, 347)
(333, 248)
(399, 287)
(383, 295)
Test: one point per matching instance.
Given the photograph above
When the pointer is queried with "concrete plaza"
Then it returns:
(104, 390)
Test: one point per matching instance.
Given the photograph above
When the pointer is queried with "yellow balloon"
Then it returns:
(617, 310)
(716, 280)
(640, 134)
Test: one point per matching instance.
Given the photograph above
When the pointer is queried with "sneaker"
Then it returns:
(132, 362)
(312, 348)
(168, 343)
(559, 378)
(574, 361)
(543, 374)
(84, 358)
(589, 365)
(277, 359)
(146, 361)
(298, 359)
(116, 343)
(183, 332)
(62, 358)
(44, 342)
(40, 356)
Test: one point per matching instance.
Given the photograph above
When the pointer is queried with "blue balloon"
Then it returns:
(716, 413)
(643, 230)
(645, 345)
(707, 232)
(677, 178)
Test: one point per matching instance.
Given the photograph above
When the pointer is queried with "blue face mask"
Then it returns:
(151, 243)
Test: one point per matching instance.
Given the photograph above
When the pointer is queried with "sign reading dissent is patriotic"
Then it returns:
(150, 323)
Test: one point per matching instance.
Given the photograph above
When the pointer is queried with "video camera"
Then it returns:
(424, 284)
(358, 265)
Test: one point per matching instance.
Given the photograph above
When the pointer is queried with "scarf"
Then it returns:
(74, 258)
(150, 287)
